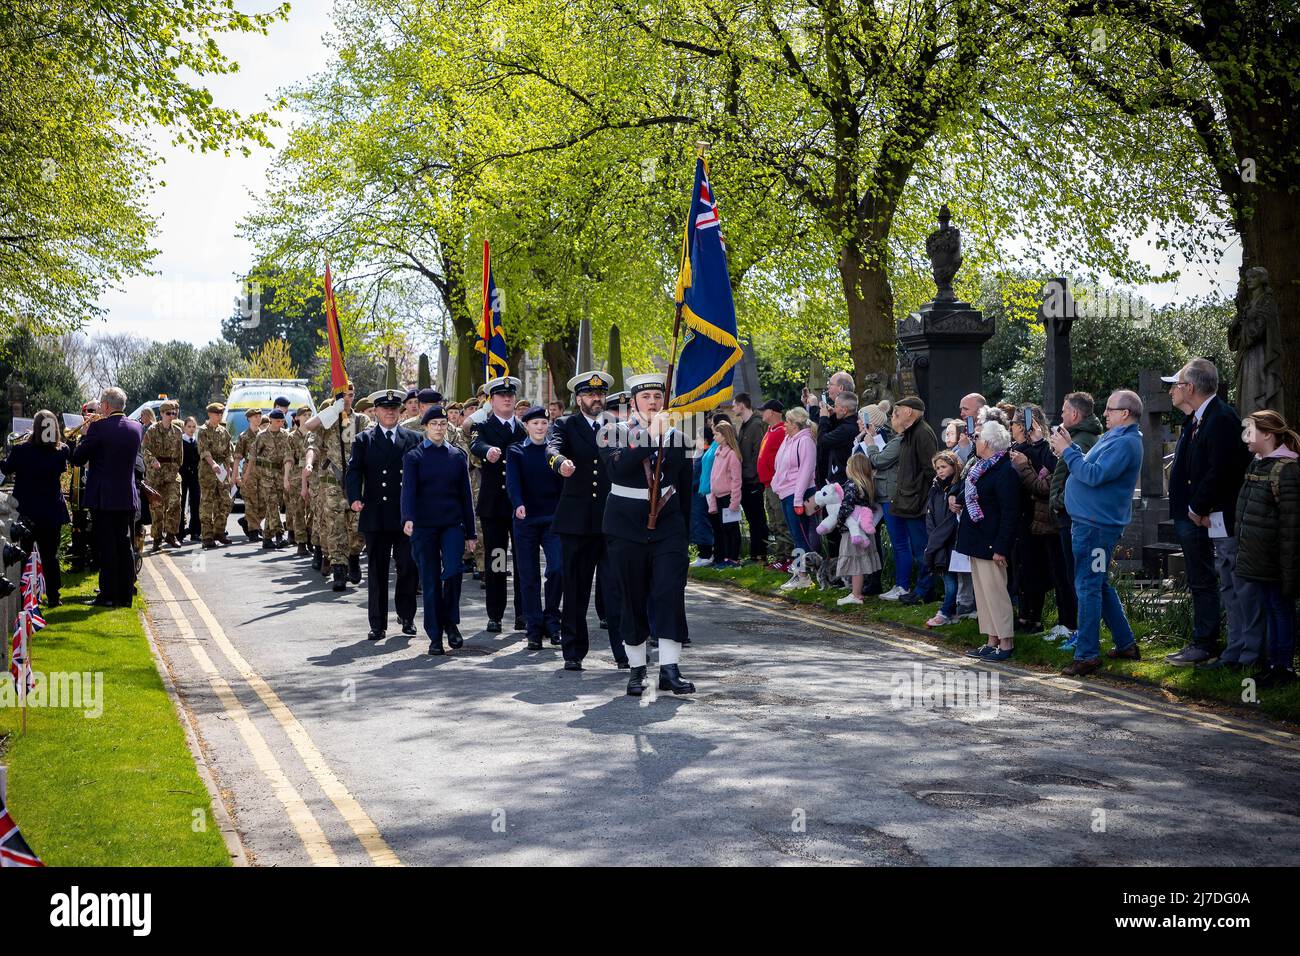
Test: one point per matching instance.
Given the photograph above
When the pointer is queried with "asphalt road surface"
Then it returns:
(809, 741)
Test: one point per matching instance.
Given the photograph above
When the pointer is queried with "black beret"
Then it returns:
(431, 413)
(411, 393)
(276, 415)
(429, 396)
(282, 402)
(537, 411)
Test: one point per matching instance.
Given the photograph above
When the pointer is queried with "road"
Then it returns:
(803, 744)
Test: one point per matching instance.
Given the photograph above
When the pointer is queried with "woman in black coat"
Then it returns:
(37, 466)
(989, 500)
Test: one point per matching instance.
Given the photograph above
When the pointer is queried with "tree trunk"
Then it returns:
(559, 356)
(870, 301)
(1269, 240)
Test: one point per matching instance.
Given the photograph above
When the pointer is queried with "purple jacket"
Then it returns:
(110, 447)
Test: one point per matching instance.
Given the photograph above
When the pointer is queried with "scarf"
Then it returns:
(973, 475)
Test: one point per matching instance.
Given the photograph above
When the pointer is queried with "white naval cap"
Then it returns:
(590, 382)
(640, 383)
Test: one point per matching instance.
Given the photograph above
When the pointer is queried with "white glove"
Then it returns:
(329, 415)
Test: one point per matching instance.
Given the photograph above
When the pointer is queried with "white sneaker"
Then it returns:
(849, 599)
(894, 593)
(797, 581)
(702, 563)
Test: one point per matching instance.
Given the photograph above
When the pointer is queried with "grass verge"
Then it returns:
(1032, 650)
(120, 789)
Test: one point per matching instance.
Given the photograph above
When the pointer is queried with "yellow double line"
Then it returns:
(304, 821)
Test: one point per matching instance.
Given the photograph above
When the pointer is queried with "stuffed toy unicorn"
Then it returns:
(859, 523)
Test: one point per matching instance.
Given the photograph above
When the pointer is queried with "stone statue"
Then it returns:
(943, 246)
(1255, 337)
(876, 387)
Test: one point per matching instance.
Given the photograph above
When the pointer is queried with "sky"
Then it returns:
(206, 196)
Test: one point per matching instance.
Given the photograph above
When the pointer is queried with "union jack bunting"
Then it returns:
(14, 850)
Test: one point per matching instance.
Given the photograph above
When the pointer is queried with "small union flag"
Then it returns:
(14, 850)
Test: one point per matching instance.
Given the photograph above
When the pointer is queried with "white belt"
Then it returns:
(626, 491)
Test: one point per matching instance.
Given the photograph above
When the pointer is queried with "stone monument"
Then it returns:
(940, 345)
(1057, 312)
(745, 378)
(1256, 338)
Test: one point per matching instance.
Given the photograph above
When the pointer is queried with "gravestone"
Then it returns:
(746, 373)
(1057, 312)
(940, 346)
(1145, 535)
(585, 359)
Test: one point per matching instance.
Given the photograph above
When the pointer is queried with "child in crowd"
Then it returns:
(941, 535)
(701, 526)
(724, 495)
(856, 561)
(1267, 573)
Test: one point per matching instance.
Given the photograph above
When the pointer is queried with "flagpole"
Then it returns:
(487, 335)
(656, 479)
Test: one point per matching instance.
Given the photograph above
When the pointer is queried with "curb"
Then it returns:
(225, 821)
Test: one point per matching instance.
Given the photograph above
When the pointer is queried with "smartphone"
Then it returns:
(970, 426)
(1029, 421)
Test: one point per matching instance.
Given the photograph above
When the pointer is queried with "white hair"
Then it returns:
(995, 436)
(113, 399)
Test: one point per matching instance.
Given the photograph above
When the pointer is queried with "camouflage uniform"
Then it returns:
(163, 446)
(269, 450)
(214, 494)
(340, 539)
(243, 450)
(295, 508)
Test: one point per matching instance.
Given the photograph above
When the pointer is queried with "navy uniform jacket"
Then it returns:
(493, 499)
(110, 447)
(582, 502)
(1210, 466)
(626, 447)
(374, 477)
(530, 481)
(435, 487)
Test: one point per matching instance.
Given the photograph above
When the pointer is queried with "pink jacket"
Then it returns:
(796, 463)
(724, 479)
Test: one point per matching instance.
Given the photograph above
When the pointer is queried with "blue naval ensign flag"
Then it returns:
(706, 366)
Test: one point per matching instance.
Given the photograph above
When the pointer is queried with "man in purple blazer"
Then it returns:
(110, 447)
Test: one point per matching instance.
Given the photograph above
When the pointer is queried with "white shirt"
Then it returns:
(1201, 411)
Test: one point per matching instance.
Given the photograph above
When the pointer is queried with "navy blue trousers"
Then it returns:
(437, 553)
(534, 535)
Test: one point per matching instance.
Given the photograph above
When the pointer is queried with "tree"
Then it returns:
(194, 377)
(284, 307)
(49, 381)
(272, 360)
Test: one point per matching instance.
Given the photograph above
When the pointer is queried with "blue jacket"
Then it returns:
(995, 533)
(435, 487)
(110, 446)
(530, 481)
(37, 470)
(1099, 491)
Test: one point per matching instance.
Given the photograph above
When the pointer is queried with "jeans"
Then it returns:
(798, 540)
(1225, 565)
(1092, 548)
(958, 594)
(902, 546)
(1267, 620)
(701, 526)
(776, 524)
(916, 538)
(950, 585)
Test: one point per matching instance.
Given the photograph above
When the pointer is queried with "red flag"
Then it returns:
(334, 332)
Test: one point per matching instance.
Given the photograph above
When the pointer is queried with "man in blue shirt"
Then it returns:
(534, 490)
(1099, 498)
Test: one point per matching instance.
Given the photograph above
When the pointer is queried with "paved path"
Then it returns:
(803, 745)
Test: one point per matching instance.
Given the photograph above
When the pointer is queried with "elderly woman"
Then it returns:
(988, 501)
(793, 483)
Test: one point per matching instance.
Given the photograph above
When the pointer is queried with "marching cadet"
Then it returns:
(295, 503)
(425, 399)
(338, 426)
(648, 563)
(216, 465)
(374, 487)
(271, 452)
(162, 460)
(311, 489)
(469, 415)
(489, 440)
(251, 522)
(438, 516)
(534, 490)
(573, 453)
(411, 407)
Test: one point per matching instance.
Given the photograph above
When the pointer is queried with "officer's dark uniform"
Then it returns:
(374, 477)
(579, 518)
(494, 510)
(649, 564)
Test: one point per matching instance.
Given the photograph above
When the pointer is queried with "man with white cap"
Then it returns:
(489, 439)
(573, 452)
(649, 563)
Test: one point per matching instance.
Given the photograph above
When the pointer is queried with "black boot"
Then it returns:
(317, 559)
(268, 544)
(292, 538)
(255, 534)
(435, 647)
(243, 523)
(279, 541)
(454, 638)
(670, 678)
(408, 626)
(534, 642)
(354, 568)
(302, 549)
(636, 682)
(340, 577)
